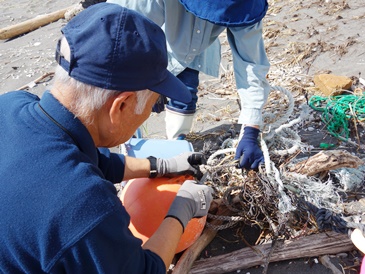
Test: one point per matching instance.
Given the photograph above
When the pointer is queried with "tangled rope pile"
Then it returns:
(273, 197)
(338, 111)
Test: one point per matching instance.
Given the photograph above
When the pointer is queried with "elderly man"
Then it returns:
(192, 28)
(59, 209)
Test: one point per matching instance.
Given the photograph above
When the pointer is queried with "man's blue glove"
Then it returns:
(159, 106)
(248, 151)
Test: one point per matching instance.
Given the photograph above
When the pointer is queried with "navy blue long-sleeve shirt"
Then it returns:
(59, 210)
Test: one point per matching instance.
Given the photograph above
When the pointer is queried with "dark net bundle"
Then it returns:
(87, 3)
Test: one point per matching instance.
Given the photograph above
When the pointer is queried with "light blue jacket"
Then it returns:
(192, 42)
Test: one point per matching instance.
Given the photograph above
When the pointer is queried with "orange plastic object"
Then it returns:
(148, 200)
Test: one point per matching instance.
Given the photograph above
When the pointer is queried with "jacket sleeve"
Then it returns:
(251, 66)
(112, 165)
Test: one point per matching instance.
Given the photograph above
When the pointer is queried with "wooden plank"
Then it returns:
(309, 246)
(186, 261)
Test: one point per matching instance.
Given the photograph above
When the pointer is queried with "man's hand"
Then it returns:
(248, 151)
(192, 200)
(185, 163)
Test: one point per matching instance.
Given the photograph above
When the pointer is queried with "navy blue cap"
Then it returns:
(115, 48)
(228, 13)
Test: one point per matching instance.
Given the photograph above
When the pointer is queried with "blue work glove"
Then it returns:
(159, 106)
(192, 200)
(184, 163)
(248, 151)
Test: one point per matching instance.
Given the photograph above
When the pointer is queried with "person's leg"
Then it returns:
(180, 116)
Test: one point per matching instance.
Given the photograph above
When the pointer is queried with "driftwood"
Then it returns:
(326, 160)
(308, 246)
(31, 24)
(191, 254)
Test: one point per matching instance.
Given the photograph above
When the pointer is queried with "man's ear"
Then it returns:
(121, 105)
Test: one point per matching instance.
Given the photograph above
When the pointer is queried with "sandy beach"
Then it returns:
(303, 39)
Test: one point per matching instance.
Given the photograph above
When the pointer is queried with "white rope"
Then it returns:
(278, 129)
(295, 141)
(285, 205)
(284, 118)
(321, 194)
(265, 151)
(219, 152)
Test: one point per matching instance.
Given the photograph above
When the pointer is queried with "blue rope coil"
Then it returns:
(327, 220)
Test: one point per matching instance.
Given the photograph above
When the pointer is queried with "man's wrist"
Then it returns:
(177, 219)
(153, 167)
(251, 132)
(254, 126)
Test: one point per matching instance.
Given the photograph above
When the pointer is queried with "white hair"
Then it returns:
(86, 99)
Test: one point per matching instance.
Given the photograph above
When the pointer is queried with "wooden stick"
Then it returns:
(36, 81)
(309, 246)
(188, 258)
(31, 24)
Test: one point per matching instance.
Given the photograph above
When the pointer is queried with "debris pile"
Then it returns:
(285, 192)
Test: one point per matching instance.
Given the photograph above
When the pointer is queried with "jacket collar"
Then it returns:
(66, 121)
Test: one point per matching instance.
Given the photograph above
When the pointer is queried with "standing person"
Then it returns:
(192, 28)
(59, 210)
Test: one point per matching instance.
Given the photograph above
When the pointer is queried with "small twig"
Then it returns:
(260, 237)
(36, 81)
(325, 260)
(353, 114)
